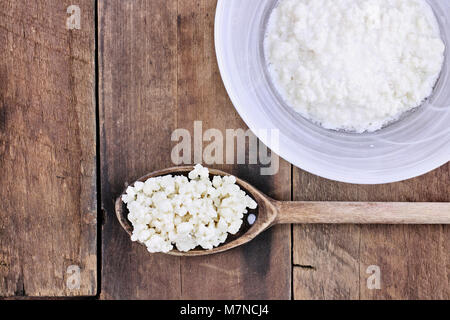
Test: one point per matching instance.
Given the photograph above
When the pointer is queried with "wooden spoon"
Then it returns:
(271, 212)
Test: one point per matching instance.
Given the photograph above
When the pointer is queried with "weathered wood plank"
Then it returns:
(259, 270)
(413, 260)
(48, 211)
(137, 90)
(326, 262)
(158, 74)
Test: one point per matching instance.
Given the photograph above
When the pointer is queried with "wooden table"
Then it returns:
(84, 111)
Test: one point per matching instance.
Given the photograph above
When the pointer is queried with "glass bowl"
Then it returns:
(416, 144)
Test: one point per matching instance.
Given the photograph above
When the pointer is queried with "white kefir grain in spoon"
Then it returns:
(354, 65)
(186, 212)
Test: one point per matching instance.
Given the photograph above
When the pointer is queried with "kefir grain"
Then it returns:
(186, 212)
(354, 65)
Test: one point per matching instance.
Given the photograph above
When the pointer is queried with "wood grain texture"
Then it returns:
(341, 212)
(48, 211)
(137, 91)
(413, 260)
(262, 268)
(158, 73)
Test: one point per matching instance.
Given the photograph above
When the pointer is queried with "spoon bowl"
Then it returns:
(271, 212)
(266, 212)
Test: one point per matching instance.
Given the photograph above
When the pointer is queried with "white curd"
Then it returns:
(186, 212)
(354, 65)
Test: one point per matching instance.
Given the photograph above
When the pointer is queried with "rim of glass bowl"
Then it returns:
(293, 157)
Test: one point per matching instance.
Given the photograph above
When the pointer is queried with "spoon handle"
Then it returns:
(362, 213)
